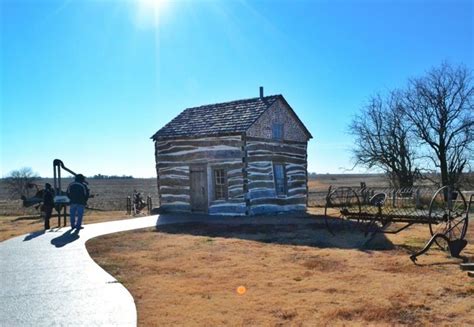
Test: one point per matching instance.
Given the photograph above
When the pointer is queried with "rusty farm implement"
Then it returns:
(446, 212)
(136, 204)
(61, 200)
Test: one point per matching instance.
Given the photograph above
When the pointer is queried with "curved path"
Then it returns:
(50, 279)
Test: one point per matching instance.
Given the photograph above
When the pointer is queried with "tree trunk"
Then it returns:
(444, 172)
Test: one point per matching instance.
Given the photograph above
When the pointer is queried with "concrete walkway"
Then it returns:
(49, 279)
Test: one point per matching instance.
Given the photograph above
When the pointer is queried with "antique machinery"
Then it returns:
(136, 204)
(35, 200)
(445, 211)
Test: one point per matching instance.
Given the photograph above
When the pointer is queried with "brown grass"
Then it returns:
(15, 226)
(188, 275)
(322, 181)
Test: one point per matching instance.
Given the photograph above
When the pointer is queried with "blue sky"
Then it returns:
(90, 81)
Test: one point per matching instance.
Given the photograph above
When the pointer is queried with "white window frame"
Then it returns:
(222, 188)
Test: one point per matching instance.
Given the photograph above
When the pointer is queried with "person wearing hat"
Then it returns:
(48, 204)
(78, 194)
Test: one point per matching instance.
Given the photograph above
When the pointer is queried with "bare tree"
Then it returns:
(18, 181)
(440, 107)
(382, 139)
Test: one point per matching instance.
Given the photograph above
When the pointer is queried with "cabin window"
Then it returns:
(280, 179)
(277, 131)
(220, 186)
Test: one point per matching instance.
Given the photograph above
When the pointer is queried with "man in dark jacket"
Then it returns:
(78, 194)
(48, 203)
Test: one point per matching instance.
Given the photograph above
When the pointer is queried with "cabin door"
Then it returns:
(198, 188)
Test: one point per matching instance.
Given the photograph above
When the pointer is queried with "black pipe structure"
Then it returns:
(57, 166)
(60, 205)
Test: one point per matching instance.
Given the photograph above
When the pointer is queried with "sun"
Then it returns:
(152, 5)
(149, 12)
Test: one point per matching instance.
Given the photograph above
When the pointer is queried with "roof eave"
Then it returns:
(170, 137)
(297, 118)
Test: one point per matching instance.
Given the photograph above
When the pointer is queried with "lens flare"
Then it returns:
(152, 5)
(241, 290)
(149, 12)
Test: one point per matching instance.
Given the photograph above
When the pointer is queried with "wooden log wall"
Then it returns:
(235, 204)
(173, 161)
(249, 165)
(261, 156)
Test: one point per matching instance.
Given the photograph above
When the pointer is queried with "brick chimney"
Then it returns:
(261, 92)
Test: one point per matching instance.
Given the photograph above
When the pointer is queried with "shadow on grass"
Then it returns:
(32, 217)
(304, 230)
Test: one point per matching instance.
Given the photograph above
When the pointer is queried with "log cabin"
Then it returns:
(244, 157)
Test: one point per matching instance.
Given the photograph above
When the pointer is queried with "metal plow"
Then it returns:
(373, 210)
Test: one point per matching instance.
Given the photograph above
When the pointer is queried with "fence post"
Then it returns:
(417, 199)
(129, 205)
(148, 204)
(394, 198)
(58, 210)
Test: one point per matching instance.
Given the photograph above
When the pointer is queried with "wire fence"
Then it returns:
(317, 198)
(15, 207)
(402, 196)
(117, 203)
(112, 196)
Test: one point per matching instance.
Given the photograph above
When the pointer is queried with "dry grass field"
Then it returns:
(294, 274)
(15, 226)
(109, 203)
(110, 194)
(322, 182)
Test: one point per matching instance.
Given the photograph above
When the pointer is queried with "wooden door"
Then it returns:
(198, 189)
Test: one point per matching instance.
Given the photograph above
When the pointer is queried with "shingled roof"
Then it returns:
(217, 119)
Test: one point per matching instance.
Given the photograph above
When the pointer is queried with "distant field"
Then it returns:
(111, 194)
(322, 182)
(318, 187)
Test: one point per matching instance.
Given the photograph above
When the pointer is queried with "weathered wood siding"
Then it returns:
(173, 161)
(262, 154)
(235, 203)
(174, 188)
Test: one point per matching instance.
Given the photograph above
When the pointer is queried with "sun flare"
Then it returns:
(152, 5)
(149, 12)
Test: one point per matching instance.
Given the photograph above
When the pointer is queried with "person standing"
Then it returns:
(48, 204)
(78, 194)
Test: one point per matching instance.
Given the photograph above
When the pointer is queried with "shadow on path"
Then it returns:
(66, 238)
(33, 235)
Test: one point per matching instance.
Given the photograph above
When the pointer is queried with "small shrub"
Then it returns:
(285, 314)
